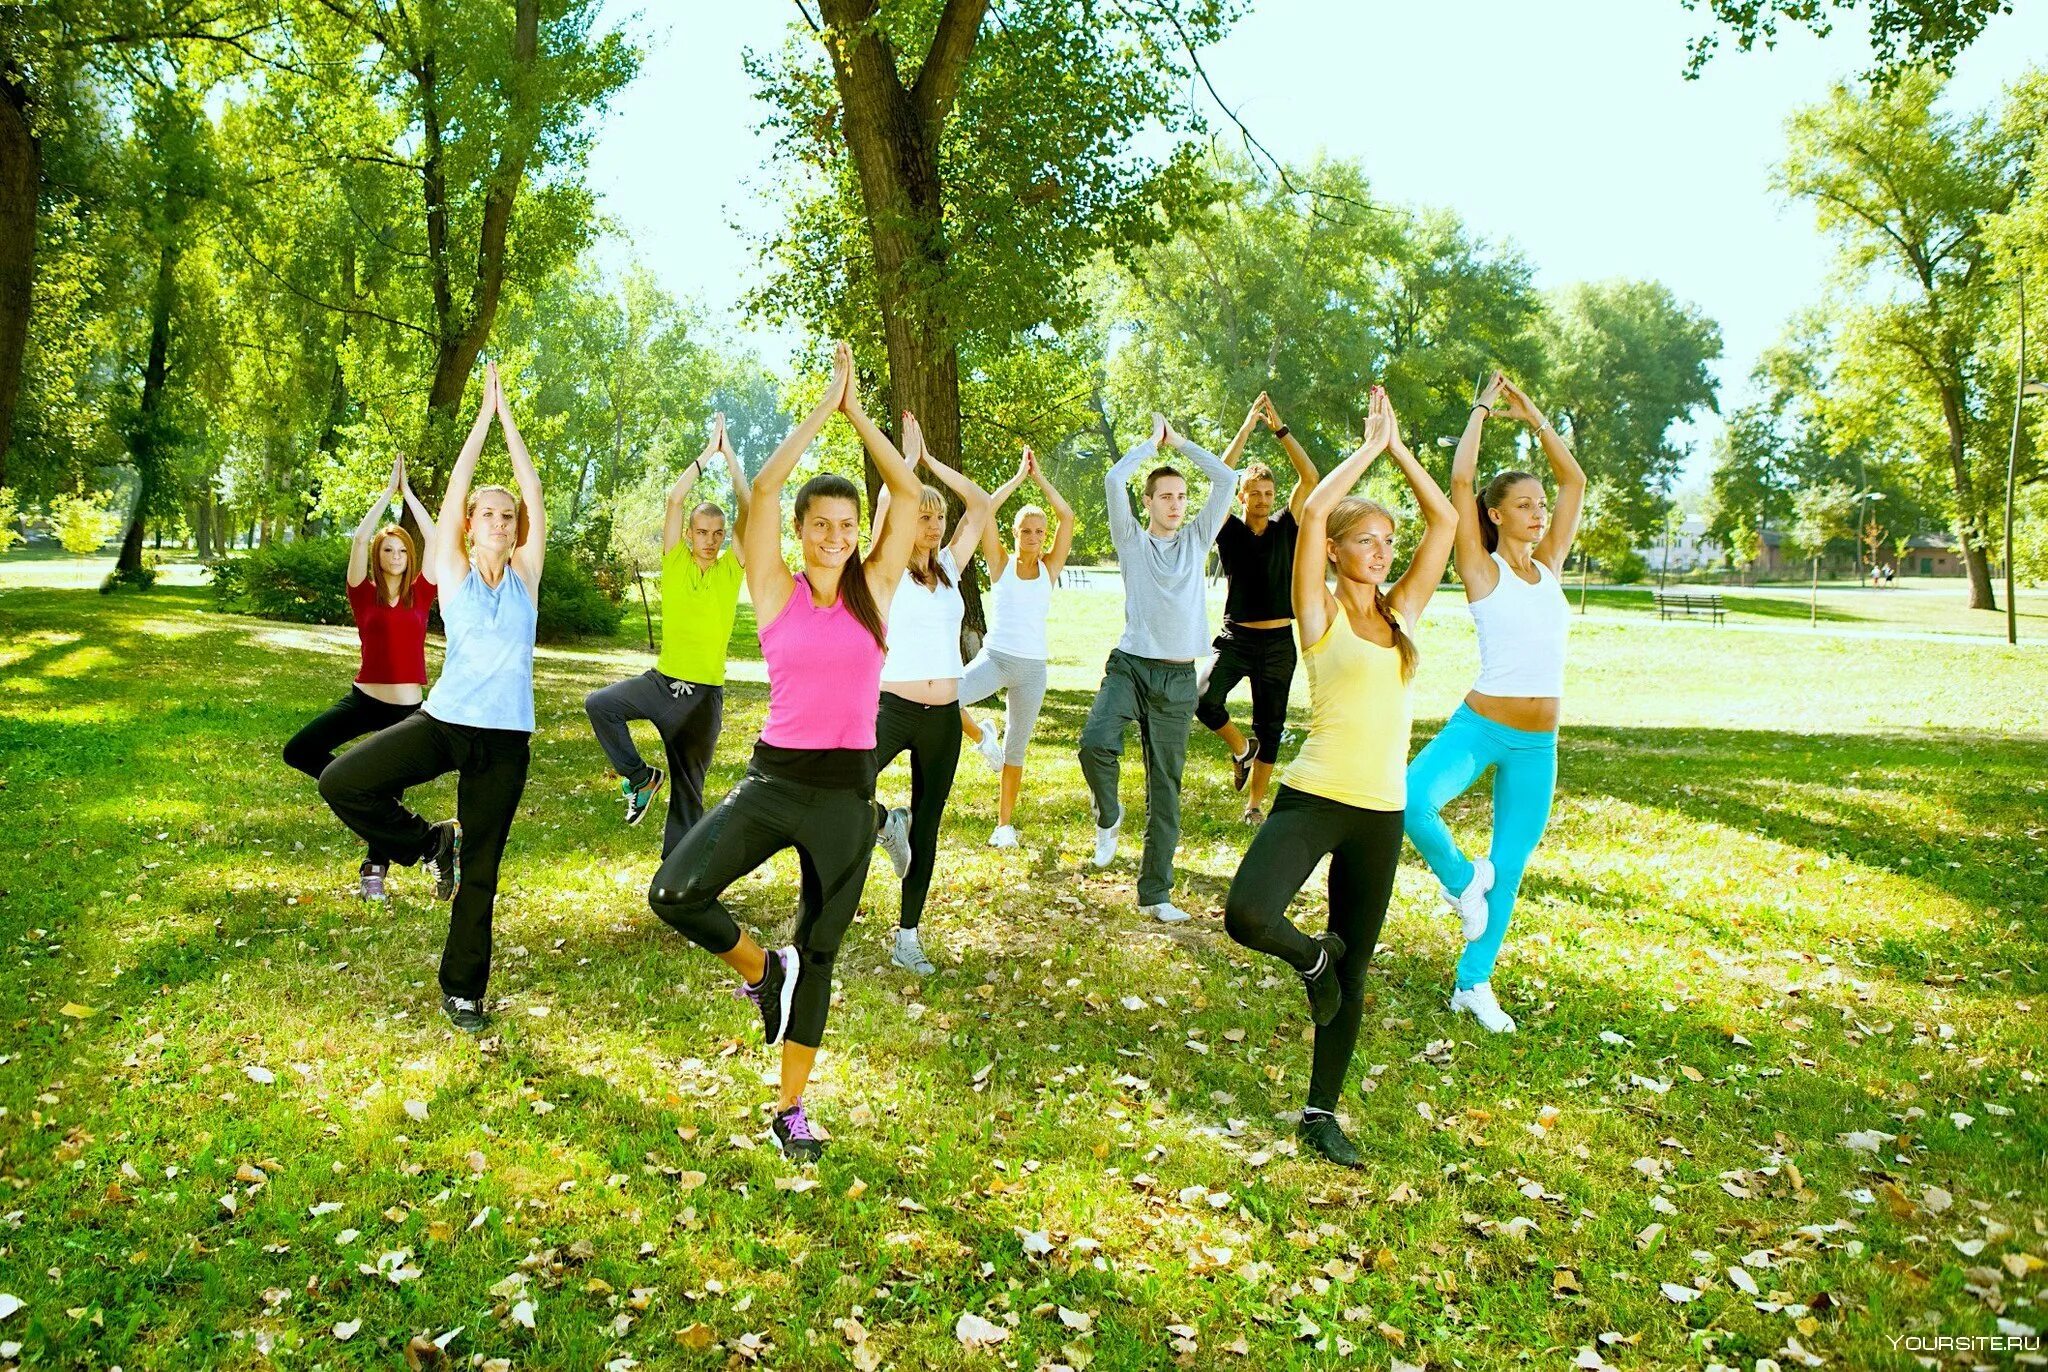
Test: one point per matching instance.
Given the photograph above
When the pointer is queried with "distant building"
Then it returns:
(1936, 554)
(1691, 550)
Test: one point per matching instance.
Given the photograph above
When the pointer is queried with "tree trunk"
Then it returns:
(1969, 525)
(21, 173)
(146, 440)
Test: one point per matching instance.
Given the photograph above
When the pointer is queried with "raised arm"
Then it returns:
(1234, 454)
(1570, 477)
(889, 552)
(1063, 538)
(742, 493)
(451, 557)
(359, 543)
(1475, 566)
(1116, 488)
(679, 496)
(975, 506)
(1305, 474)
(992, 550)
(1222, 486)
(768, 580)
(420, 517)
(529, 556)
(1411, 594)
(1313, 603)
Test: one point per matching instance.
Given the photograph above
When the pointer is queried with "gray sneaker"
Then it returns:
(894, 836)
(909, 954)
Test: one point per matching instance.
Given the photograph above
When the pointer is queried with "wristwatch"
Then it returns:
(1281, 432)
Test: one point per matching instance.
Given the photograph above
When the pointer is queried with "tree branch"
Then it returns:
(354, 310)
(938, 82)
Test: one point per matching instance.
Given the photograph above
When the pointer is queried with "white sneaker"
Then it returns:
(1471, 902)
(1105, 843)
(1005, 836)
(909, 954)
(1478, 1002)
(894, 837)
(990, 748)
(1166, 912)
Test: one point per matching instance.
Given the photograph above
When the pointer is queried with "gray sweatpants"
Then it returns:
(687, 715)
(1159, 697)
(1023, 681)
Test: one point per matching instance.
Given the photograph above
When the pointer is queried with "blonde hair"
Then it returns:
(1017, 521)
(1352, 511)
(931, 500)
(518, 505)
(412, 562)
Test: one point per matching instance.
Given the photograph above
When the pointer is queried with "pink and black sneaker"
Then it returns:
(773, 993)
(372, 874)
(794, 1137)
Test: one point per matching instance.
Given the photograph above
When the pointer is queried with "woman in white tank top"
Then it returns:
(1012, 657)
(919, 712)
(1510, 553)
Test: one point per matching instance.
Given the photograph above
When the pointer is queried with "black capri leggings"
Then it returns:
(833, 832)
(355, 714)
(1267, 656)
(1364, 846)
(931, 735)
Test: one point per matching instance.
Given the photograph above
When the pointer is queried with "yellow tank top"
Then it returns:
(1357, 747)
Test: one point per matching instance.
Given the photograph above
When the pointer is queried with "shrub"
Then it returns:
(141, 579)
(303, 582)
(80, 523)
(1628, 569)
(573, 603)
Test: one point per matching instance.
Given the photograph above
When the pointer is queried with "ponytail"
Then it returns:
(1403, 644)
(1492, 497)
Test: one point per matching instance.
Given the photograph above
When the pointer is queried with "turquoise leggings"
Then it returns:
(1525, 774)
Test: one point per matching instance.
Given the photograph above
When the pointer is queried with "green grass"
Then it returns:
(1801, 877)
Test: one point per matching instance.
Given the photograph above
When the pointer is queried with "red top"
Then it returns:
(394, 636)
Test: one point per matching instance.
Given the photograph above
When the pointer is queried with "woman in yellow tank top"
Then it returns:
(1346, 790)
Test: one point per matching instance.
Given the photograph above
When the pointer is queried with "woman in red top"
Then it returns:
(389, 597)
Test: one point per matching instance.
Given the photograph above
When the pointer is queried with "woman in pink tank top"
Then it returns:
(810, 785)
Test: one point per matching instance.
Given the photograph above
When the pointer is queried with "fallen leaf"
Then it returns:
(1676, 1294)
(346, 1330)
(696, 1337)
(262, 1076)
(975, 1332)
(77, 1011)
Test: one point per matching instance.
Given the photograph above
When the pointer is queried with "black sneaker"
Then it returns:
(773, 993)
(1320, 1131)
(1241, 767)
(1323, 991)
(444, 858)
(638, 801)
(794, 1139)
(467, 1016)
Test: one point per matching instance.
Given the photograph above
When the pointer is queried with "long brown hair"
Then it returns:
(931, 575)
(1350, 512)
(1490, 499)
(412, 562)
(853, 581)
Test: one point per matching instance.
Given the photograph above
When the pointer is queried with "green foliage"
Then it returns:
(574, 602)
(10, 517)
(303, 581)
(81, 522)
(128, 579)
(1628, 569)
(1903, 33)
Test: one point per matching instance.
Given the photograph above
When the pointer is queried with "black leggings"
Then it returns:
(355, 714)
(1267, 656)
(833, 832)
(364, 786)
(1363, 846)
(931, 735)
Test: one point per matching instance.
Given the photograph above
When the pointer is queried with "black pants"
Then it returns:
(833, 832)
(365, 785)
(1363, 846)
(931, 735)
(355, 714)
(688, 721)
(1266, 656)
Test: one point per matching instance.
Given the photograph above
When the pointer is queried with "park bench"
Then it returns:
(1077, 578)
(1689, 603)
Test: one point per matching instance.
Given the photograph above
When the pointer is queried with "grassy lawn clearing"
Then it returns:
(1777, 1091)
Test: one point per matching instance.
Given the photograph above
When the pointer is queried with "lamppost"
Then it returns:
(1858, 506)
(2012, 463)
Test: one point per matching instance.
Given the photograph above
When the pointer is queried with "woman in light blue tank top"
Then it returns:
(478, 719)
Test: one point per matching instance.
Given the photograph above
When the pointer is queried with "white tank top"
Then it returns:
(1017, 613)
(1522, 630)
(924, 628)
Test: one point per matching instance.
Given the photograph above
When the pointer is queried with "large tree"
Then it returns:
(1903, 33)
(1907, 192)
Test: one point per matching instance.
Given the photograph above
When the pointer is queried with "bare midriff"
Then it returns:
(393, 692)
(942, 690)
(1534, 714)
(1261, 623)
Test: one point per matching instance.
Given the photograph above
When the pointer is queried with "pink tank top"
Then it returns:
(824, 675)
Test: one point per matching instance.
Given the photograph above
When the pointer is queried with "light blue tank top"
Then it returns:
(486, 678)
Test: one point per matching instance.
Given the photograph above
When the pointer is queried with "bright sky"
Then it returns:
(1578, 140)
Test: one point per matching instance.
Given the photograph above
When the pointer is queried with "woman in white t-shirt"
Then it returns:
(920, 706)
(1510, 552)
(1012, 657)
